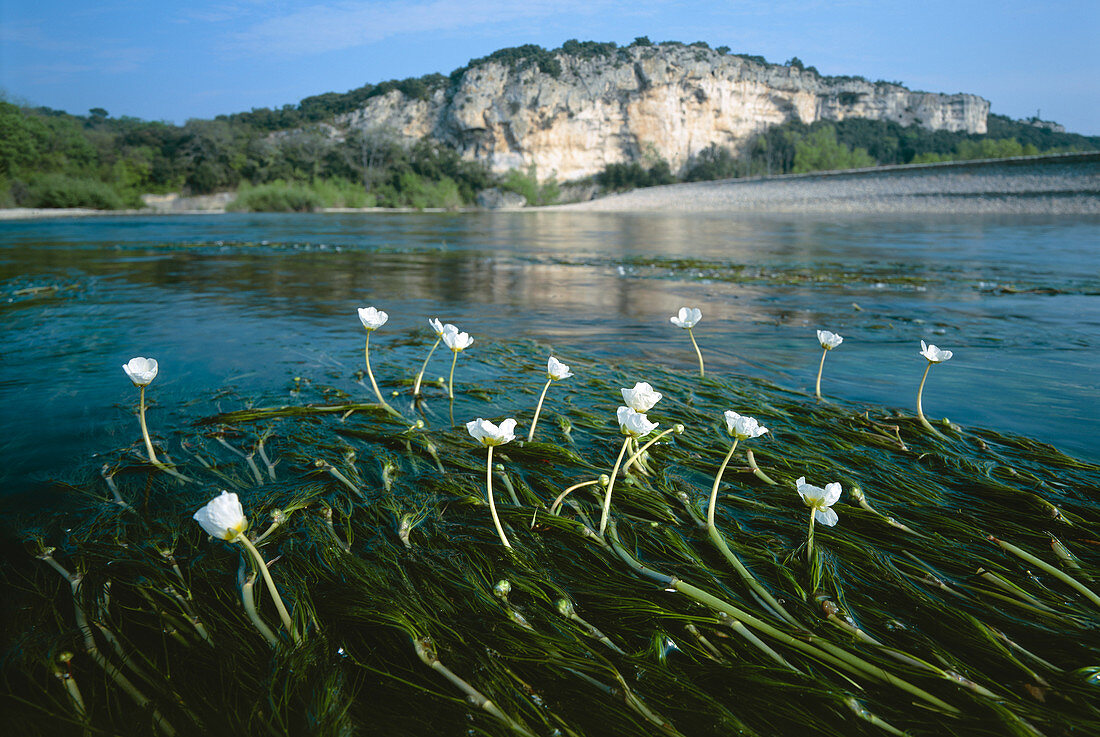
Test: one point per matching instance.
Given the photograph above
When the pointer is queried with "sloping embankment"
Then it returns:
(1060, 184)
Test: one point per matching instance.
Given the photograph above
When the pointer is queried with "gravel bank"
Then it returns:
(1049, 185)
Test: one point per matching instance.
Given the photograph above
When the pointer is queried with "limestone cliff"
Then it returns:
(643, 101)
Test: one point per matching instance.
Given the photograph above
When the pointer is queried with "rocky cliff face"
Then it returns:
(667, 101)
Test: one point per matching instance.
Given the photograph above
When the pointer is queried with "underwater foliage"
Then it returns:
(956, 595)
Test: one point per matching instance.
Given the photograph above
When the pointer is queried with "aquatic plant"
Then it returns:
(687, 318)
(940, 622)
(490, 436)
(555, 371)
(820, 502)
(223, 517)
(373, 319)
(457, 342)
(142, 371)
(828, 342)
(438, 329)
(934, 355)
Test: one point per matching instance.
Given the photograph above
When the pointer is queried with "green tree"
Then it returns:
(820, 151)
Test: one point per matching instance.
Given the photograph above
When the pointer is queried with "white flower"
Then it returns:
(642, 397)
(820, 500)
(742, 427)
(437, 327)
(934, 354)
(141, 371)
(634, 423)
(828, 340)
(371, 318)
(556, 370)
(488, 434)
(455, 340)
(223, 516)
(686, 317)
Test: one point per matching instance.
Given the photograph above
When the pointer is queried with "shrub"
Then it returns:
(527, 184)
(341, 193)
(61, 190)
(820, 151)
(713, 162)
(276, 197)
(623, 177)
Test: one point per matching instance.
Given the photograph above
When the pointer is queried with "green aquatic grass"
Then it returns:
(383, 554)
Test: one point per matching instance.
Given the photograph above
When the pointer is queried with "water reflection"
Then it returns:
(213, 298)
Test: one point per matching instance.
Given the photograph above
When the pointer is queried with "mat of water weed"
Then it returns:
(955, 596)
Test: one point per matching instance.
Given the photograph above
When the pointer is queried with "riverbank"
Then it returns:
(1066, 184)
(1049, 185)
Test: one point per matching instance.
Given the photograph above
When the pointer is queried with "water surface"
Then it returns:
(246, 302)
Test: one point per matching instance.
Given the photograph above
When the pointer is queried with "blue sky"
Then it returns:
(174, 61)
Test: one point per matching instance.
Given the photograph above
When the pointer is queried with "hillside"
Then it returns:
(571, 114)
(522, 120)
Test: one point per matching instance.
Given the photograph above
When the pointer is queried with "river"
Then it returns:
(246, 302)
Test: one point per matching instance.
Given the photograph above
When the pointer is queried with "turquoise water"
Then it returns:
(238, 305)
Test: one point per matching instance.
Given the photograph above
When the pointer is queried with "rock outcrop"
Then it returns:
(638, 104)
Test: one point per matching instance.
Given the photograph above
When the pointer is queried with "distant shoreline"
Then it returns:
(1067, 184)
(1046, 185)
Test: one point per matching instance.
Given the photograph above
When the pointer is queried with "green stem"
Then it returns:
(697, 352)
(824, 652)
(144, 429)
(820, 368)
(1052, 570)
(538, 409)
(730, 556)
(425, 650)
(420, 376)
(451, 381)
(283, 613)
(810, 542)
(561, 497)
(717, 481)
(920, 409)
(373, 383)
(248, 600)
(611, 485)
(489, 490)
(638, 453)
(756, 469)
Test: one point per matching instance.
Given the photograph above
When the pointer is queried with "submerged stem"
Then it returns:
(420, 376)
(248, 601)
(561, 497)
(538, 409)
(756, 469)
(425, 650)
(820, 368)
(373, 383)
(698, 353)
(451, 381)
(489, 490)
(283, 613)
(1052, 570)
(822, 651)
(810, 542)
(611, 485)
(641, 451)
(730, 556)
(920, 409)
(144, 428)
